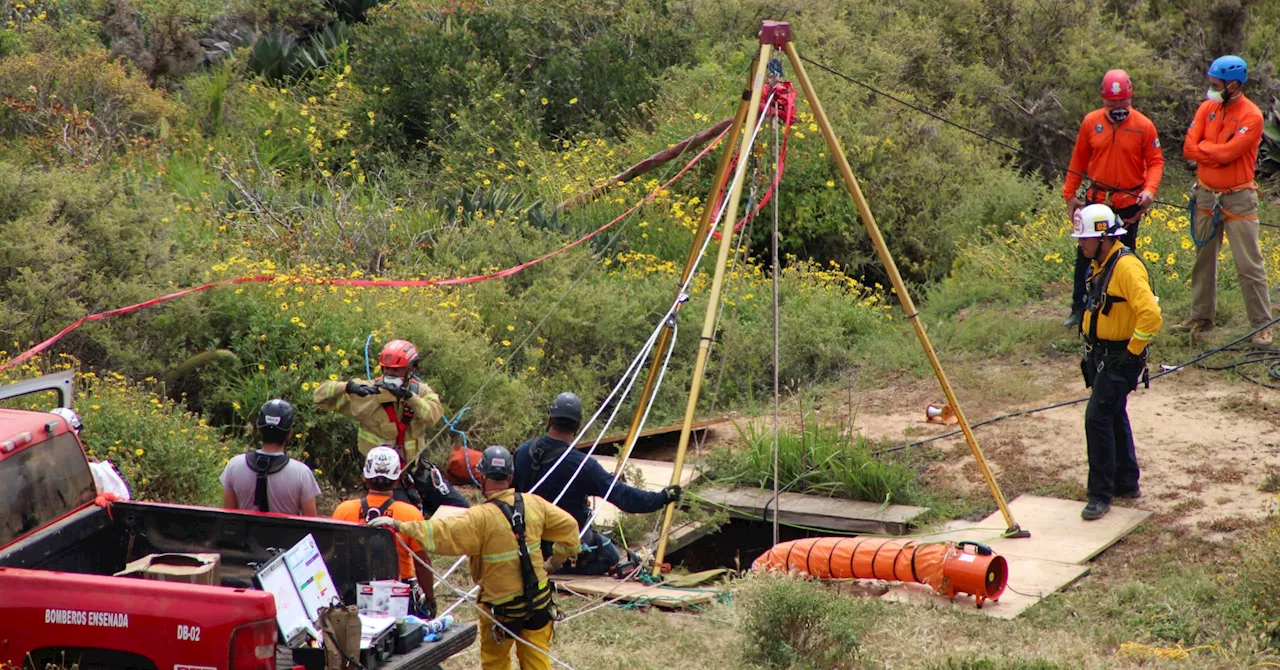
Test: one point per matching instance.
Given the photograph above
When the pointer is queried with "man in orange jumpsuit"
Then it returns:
(1118, 150)
(1223, 141)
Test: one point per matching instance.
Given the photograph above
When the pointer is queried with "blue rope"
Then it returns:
(452, 425)
(1213, 228)
(368, 373)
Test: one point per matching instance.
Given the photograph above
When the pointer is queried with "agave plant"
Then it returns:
(1269, 152)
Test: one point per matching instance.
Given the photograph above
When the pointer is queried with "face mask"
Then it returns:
(1214, 96)
(1118, 114)
(392, 382)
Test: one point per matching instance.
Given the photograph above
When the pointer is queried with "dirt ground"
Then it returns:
(1206, 443)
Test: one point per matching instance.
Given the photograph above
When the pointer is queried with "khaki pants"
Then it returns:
(1239, 220)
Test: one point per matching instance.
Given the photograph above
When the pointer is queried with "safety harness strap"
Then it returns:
(529, 603)
(365, 508)
(265, 465)
(1100, 301)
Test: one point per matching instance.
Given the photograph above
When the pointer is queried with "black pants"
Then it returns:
(1081, 273)
(1113, 463)
(430, 491)
(598, 555)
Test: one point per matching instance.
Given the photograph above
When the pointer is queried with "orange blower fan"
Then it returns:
(946, 567)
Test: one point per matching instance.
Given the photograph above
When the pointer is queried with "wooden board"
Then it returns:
(1033, 578)
(683, 536)
(656, 474)
(1057, 531)
(698, 426)
(610, 588)
(815, 511)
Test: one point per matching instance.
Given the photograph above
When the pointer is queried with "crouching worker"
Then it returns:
(1121, 316)
(396, 409)
(504, 539)
(547, 465)
(381, 472)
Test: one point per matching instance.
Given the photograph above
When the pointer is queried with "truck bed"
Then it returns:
(100, 541)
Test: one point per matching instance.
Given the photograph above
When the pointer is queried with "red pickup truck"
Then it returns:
(59, 604)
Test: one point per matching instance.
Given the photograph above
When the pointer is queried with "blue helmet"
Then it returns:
(1229, 68)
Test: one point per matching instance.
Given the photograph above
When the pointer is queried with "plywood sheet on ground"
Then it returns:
(1057, 531)
(697, 427)
(656, 474)
(815, 511)
(1033, 578)
(609, 588)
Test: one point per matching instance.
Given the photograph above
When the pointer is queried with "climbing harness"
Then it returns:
(1098, 302)
(1220, 214)
(265, 465)
(534, 607)
(369, 513)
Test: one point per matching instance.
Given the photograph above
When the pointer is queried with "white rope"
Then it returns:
(633, 370)
(662, 372)
(466, 596)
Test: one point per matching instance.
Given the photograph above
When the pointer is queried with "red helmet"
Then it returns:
(1116, 85)
(398, 354)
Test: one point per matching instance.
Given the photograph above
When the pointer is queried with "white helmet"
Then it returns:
(68, 414)
(1097, 221)
(382, 461)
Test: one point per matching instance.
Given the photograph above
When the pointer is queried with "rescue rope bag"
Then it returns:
(265, 465)
(533, 608)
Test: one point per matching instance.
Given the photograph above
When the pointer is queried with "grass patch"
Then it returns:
(821, 458)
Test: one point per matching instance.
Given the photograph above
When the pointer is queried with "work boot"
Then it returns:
(1073, 321)
(1262, 339)
(1132, 495)
(1193, 326)
(1095, 510)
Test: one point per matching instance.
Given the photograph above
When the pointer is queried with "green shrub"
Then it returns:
(791, 623)
(81, 107)
(166, 453)
(822, 459)
(75, 246)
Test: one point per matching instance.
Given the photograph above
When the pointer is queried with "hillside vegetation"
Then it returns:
(152, 145)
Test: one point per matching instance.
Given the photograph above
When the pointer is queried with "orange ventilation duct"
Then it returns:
(946, 567)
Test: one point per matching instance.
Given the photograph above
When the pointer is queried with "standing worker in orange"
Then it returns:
(1118, 150)
(1120, 319)
(1223, 141)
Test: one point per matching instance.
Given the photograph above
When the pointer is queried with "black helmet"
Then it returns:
(567, 406)
(275, 415)
(497, 462)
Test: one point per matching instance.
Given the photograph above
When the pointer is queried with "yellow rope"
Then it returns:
(1175, 653)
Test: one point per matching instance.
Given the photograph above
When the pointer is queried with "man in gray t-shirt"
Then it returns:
(267, 480)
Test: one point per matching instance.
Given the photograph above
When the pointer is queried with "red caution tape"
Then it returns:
(24, 356)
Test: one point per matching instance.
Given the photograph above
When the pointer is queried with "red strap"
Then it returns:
(400, 429)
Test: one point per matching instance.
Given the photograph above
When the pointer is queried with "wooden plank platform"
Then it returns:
(630, 591)
(656, 474)
(1056, 554)
(697, 427)
(815, 511)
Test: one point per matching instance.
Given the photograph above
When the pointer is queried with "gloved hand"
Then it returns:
(1074, 204)
(552, 565)
(672, 494)
(423, 606)
(385, 522)
(402, 392)
(1134, 363)
(362, 390)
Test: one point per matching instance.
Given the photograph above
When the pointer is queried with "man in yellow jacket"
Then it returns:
(396, 409)
(1121, 316)
(504, 540)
